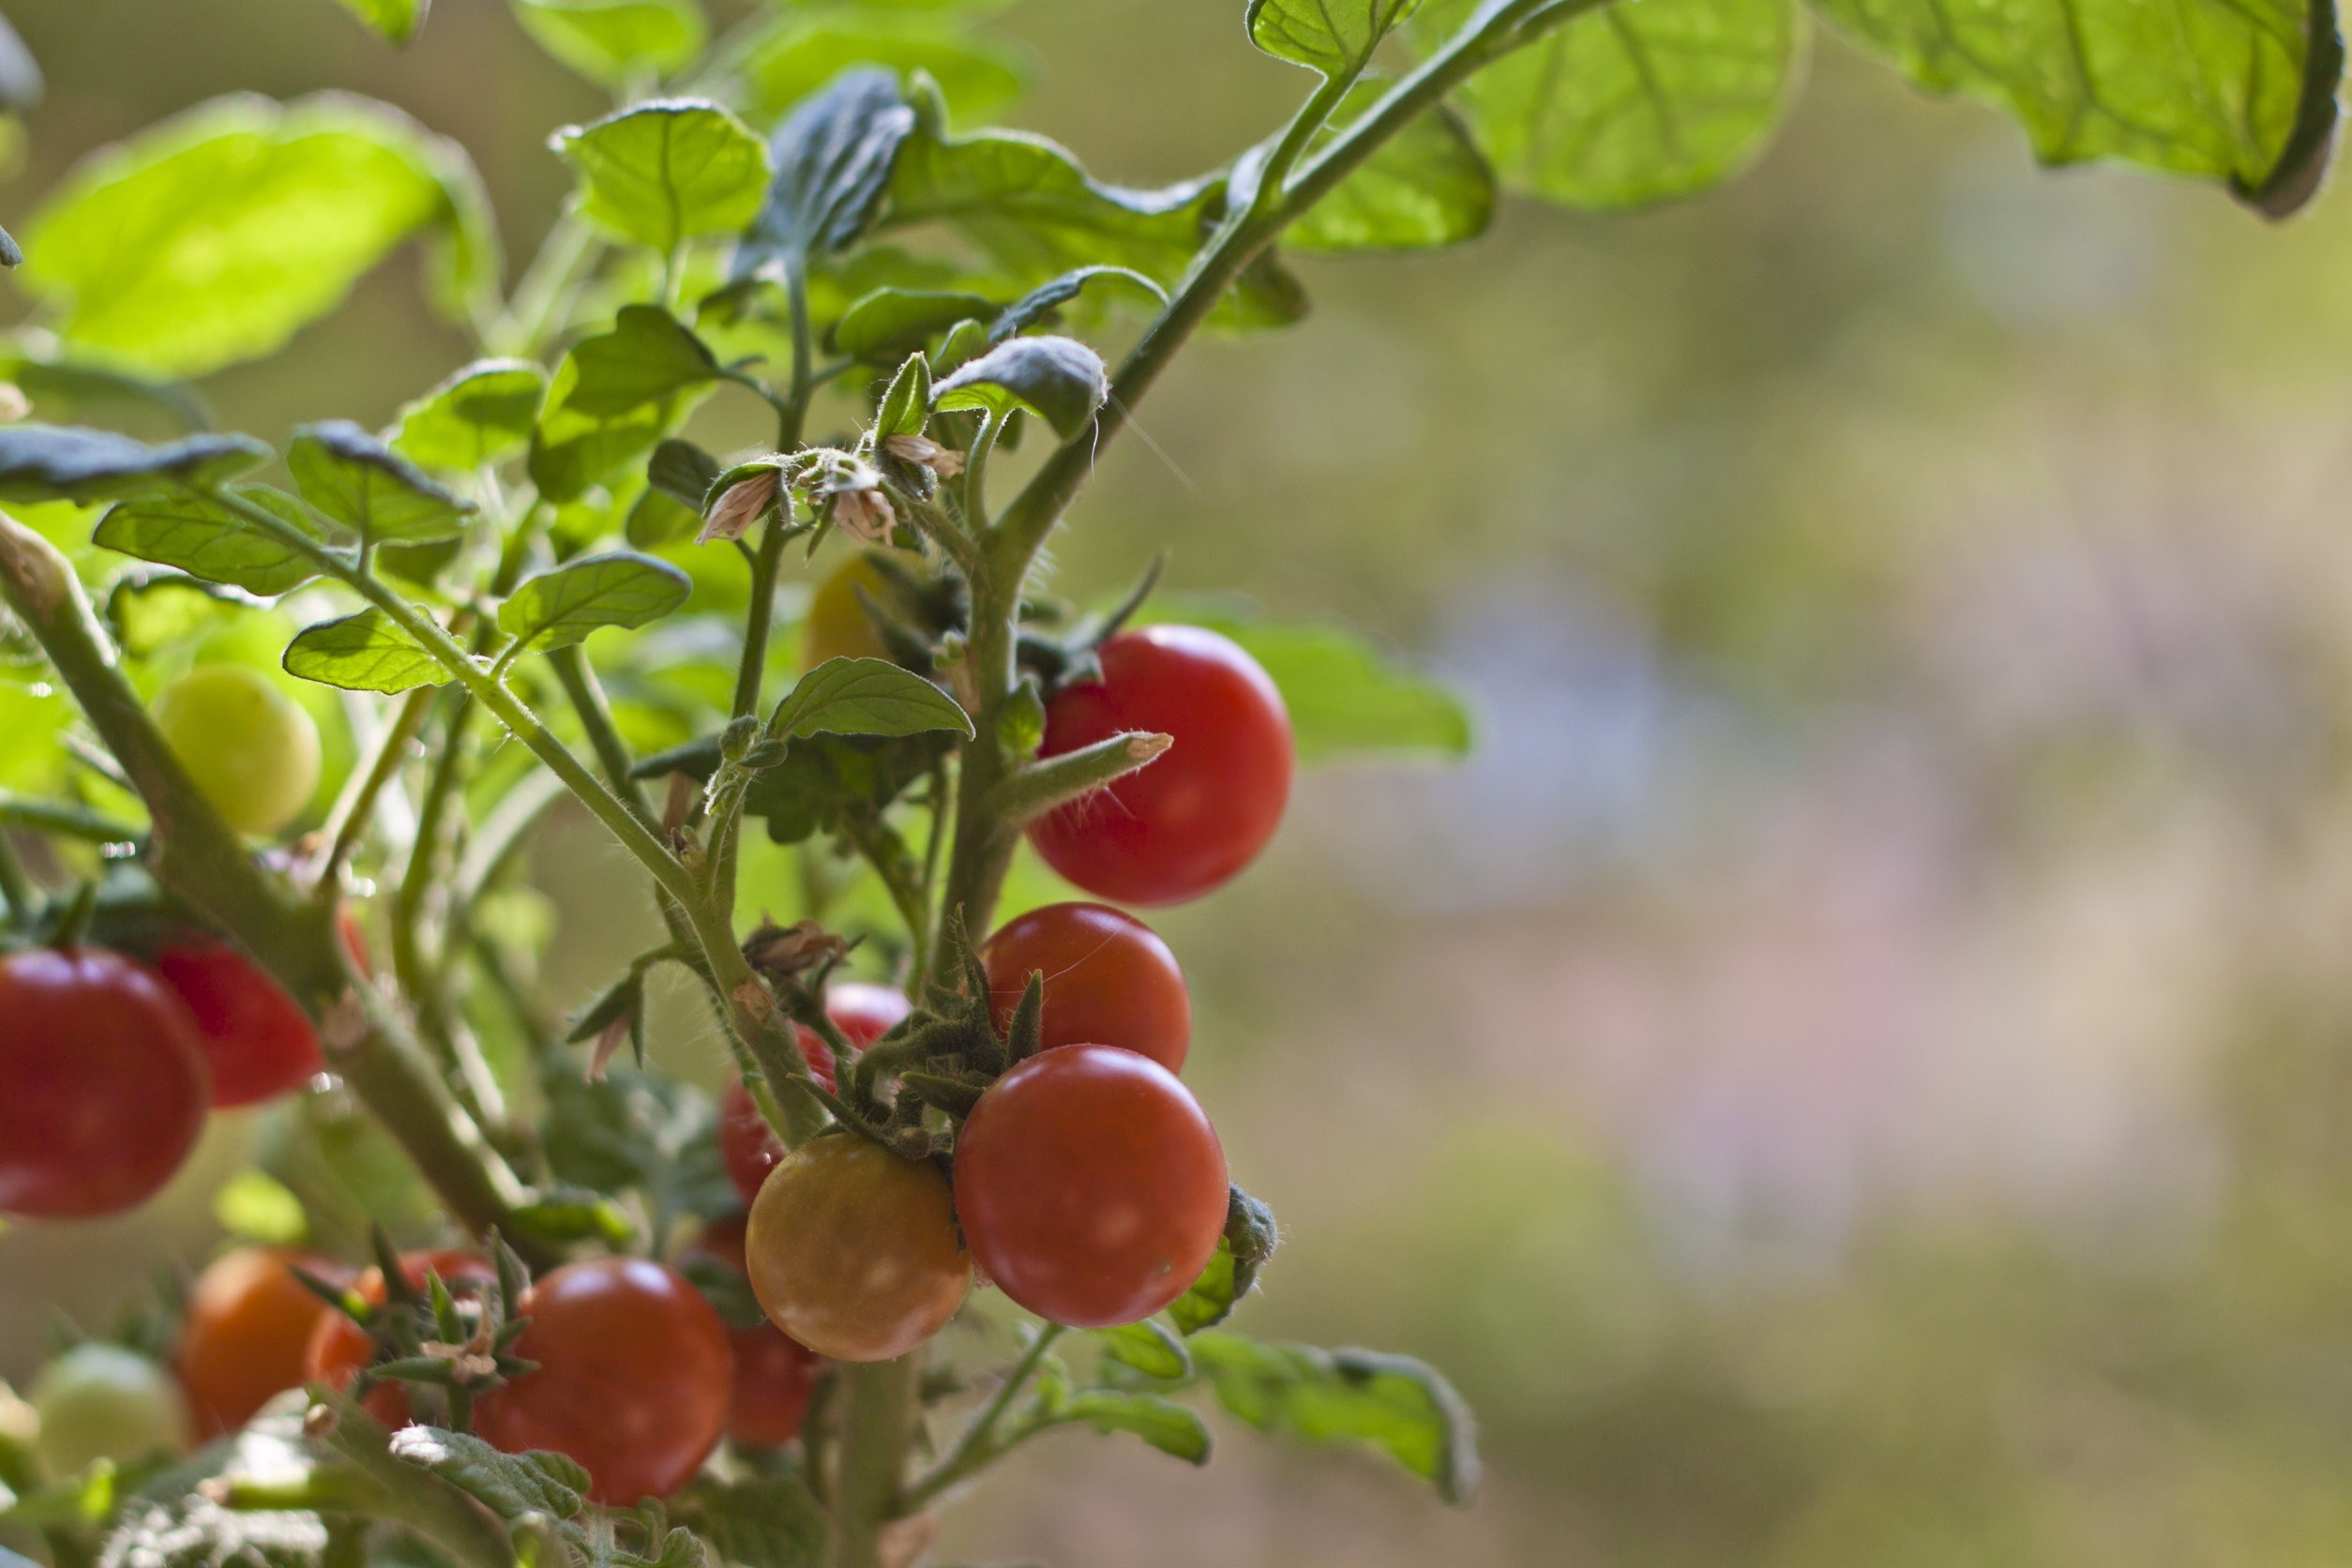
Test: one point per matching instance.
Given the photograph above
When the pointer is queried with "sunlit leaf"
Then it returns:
(563, 605)
(867, 697)
(1333, 36)
(1393, 1403)
(365, 652)
(610, 42)
(980, 76)
(205, 539)
(66, 462)
(483, 414)
(666, 171)
(378, 494)
(1428, 186)
(397, 19)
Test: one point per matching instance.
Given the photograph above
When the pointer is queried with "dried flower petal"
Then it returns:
(946, 462)
(739, 506)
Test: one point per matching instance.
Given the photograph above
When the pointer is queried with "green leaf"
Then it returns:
(397, 19)
(906, 405)
(508, 1485)
(890, 323)
(1393, 1403)
(765, 1522)
(1428, 186)
(369, 488)
(1059, 379)
(825, 783)
(1344, 694)
(616, 395)
(64, 389)
(610, 42)
(66, 462)
(979, 75)
(866, 697)
(629, 1132)
(560, 608)
(1209, 1299)
(833, 159)
(204, 538)
(1630, 104)
(2237, 89)
(215, 236)
(1028, 204)
(482, 413)
(666, 171)
(1333, 36)
(1170, 1427)
(1047, 299)
(362, 653)
(1148, 1348)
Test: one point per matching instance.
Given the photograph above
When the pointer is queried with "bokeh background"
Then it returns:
(1857, 1069)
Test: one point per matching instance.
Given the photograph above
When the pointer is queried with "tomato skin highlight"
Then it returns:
(1109, 980)
(258, 1040)
(774, 1373)
(1190, 821)
(864, 1013)
(339, 1348)
(105, 1083)
(252, 750)
(248, 1332)
(634, 1374)
(1091, 1186)
(853, 1252)
(100, 1401)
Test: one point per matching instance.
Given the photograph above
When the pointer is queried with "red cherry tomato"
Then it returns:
(774, 1374)
(1091, 1187)
(258, 1039)
(864, 1014)
(634, 1377)
(853, 1252)
(249, 1322)
(1109, 980)
(339, 1348)
(1187, 823)
(102, 1083)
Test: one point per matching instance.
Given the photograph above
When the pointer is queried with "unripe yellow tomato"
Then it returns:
(838, 626)
(252, 749)
(853, 1251)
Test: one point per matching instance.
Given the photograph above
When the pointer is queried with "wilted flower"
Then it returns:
(946, 462)
(740, 505)
(864, 514)
(787, 951)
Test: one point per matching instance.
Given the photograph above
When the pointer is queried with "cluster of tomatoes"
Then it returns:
(111, 1063)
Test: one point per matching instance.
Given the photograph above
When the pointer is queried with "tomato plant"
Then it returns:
(247, 1331)
(1190, 821)
(538, 586)
(1109, 980)
(105, 1079)
(257, 1039)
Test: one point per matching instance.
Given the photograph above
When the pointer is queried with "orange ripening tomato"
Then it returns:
(249, 1326)
(853, 1252)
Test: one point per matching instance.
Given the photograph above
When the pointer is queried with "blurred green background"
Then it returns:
(1857, 1069)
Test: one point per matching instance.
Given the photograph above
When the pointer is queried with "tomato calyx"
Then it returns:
(444, 1343)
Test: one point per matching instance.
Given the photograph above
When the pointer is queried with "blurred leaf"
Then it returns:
(66, 462)
(65, 390)
(890, 323)
(257, 1207)
(1030, 207)
(1333, 36)
(1393, 1403)
(483, 414)
(378, 494)
(825, 782)
(616, 395)
(979, 76)
(21, 84)
(508, 1485)
(1428, 186)
(215, 235)
(1343, 693)
(1059, 379)
(867, 697)
(613, 42)
(1047, 298)
(763, 1522)
(833, 157)
(362, 653)
(397, 19)
(558, 607)
(1209, 1299)
(1170, 1427)
(2236, 89)
(666, 171)
(630, 1131)
(1148, 1348)
(1630, 104)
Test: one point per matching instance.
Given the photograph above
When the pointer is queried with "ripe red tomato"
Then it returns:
(249, 1322)
(853, 1251)
(1187, 823)
(864, 1014)
(774, 1374)
(102, 1083)
(1091, 1186)
(339, 1348)
(1109, 980)
(633, 1380)
(258, 1039)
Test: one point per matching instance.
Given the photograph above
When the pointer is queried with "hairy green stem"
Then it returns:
(355, 809)
(978, 1447)
(586, 695)
(876, 1429)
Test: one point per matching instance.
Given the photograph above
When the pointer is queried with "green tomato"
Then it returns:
(105, 1402)
(252, 749)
